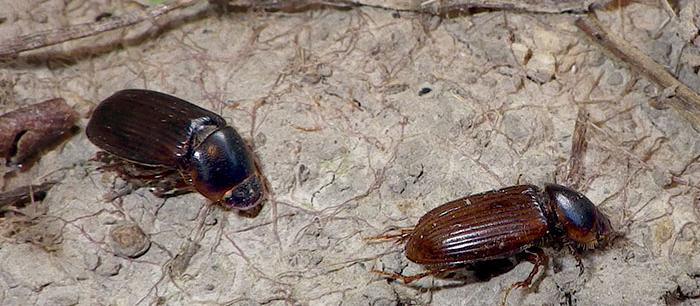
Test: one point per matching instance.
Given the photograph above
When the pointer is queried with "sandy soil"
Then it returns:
(336, 103)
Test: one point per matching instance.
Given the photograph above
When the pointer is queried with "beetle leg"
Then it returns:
(538, 258)
(130, 171)
(163, 182)
(577, 256)
(178, 188)
(411, 278)
(402, 235)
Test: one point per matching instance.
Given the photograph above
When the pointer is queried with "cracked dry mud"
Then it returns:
(352, 144)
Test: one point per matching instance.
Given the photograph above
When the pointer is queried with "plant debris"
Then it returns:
(682, 98)
(28, 130)
(25, 194)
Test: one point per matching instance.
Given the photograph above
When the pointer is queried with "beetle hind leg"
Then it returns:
(407, 279)
(400, 235)
(538, 258)
(163, 182)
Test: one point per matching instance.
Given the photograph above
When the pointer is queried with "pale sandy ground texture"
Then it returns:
(330, 99)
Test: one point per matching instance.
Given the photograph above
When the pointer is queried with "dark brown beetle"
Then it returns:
(500, 224)
(155, 129)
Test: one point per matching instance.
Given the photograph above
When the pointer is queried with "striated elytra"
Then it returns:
(155, 129)
(499, 224)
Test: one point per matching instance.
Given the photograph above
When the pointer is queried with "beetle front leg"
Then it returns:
(577, 256)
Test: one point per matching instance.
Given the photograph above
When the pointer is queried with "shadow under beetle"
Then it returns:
(500, 224)
(159, 131)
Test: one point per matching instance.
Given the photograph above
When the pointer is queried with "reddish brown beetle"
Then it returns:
(500, 224)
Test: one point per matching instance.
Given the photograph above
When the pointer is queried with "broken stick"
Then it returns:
(13, 47)
(579, 144)
(30, 129)
(25, 194)
(686, 101)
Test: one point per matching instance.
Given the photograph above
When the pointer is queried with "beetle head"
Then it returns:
(582, 222)
(245, 195)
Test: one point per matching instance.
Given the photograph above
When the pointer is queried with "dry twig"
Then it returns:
(686, 101)
(25, 194)
(13, 47)
(37, 40)
(30, 129)
(579, 144)
(432, 6)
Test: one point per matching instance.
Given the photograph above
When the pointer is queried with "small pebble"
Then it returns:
(108, 269)
(541, 67)
(129, 240)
